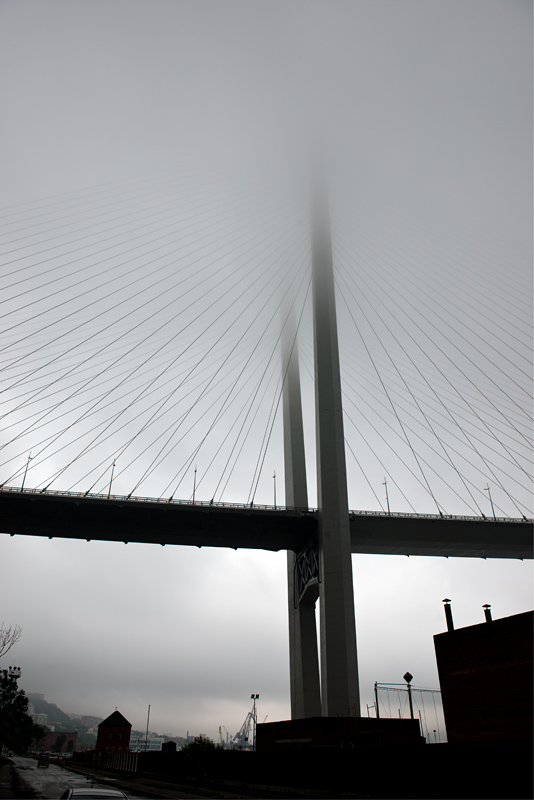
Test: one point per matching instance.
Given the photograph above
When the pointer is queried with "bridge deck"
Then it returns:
(75, 516)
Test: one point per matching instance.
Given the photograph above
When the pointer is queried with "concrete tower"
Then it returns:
(324, 568)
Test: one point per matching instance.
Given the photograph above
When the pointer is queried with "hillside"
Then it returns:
(56, 716)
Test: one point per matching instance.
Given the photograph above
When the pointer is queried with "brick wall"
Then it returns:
(485, 673)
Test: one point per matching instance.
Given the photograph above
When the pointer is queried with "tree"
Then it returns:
(8, 637)
(17, 729)
(38, 734)
(60, 741)
(199, 755)
(200, 744)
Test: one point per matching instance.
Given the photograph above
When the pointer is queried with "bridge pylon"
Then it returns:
(339, 666)
(303, 652)
(324, 567)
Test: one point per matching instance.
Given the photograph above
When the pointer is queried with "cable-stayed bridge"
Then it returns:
(204, 524)
(143, 326)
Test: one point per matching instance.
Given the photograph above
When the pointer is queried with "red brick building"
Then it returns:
(66, 740)
(485, 674)
(114, 734)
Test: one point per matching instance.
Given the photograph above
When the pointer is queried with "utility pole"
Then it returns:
(147, 722)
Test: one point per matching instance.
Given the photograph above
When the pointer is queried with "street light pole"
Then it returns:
(25, 471)
(111, 479)
(254, 697)
(487, 489)
(385, 483)
(408, 678)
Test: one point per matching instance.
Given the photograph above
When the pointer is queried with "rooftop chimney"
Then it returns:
(448, 614)
(487, 612)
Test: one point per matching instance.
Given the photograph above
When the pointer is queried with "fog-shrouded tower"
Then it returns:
(324, 568)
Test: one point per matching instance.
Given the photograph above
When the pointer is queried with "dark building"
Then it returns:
(168, 747)
(337, 732)
(485, 674)
(114, 734)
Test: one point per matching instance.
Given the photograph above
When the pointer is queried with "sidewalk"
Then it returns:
(6, 781)
(11, 784)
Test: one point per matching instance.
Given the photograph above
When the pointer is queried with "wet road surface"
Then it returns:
(50, 782)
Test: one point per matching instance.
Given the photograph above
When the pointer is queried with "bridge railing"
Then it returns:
(218, 504)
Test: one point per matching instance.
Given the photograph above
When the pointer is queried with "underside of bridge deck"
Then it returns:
(158, 522)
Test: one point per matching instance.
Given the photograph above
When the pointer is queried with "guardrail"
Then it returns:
(217, 504)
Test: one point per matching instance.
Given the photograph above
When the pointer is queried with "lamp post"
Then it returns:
(487, 489)
(111, 479)
(385, 483)
(254, 697)
(25, 472)
(408, 678)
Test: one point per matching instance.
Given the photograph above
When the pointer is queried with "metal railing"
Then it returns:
(277, 508)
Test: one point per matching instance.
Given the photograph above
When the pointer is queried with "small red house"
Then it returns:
(114, 734)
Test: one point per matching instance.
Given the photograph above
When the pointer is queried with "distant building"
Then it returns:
(114, 734)
(39, 719)
(485, 673)
(90, 721)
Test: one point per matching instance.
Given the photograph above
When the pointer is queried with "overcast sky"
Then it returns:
(183, 125)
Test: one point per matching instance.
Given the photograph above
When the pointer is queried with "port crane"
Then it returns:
(245, 738)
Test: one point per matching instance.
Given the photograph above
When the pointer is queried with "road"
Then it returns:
(50, 782)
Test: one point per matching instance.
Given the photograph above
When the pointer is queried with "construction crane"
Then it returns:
(245, 738)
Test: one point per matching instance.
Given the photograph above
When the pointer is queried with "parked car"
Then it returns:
(90, 793)
(43, 761)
